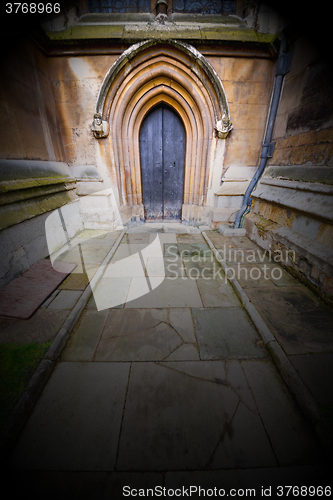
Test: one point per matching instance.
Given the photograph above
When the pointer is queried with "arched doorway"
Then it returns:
(162, 154)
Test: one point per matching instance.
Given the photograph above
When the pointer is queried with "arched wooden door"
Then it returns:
(162, 153)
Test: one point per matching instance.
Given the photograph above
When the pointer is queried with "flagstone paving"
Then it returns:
(165, 379)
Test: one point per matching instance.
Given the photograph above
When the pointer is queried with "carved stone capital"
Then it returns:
(99, 126)
(223, 127)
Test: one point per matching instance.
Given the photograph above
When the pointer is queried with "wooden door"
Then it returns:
(162, 153)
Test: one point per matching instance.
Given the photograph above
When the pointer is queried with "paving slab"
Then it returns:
(136, 238)
(153, 344)
(243, 242)
(92, 233)
(316, 371)
(252, 275)
(189, 238)
(137, 335)
(185, 352)
(183, 391)
(75, 281)
(84, 339)
(201, 267)
(42, 327)
(164, 238)
(169, 267)
(194, 249)
(181, 320)
(110, 292)
(170, 250)
(183, 416)
(128, 267)
(215, 292)
(298, 319)
(65, 299)
(221, 242)
(288, 431)
(224, 333)
(179, 292)
(25, 294)
(146, 335)
(76, 422)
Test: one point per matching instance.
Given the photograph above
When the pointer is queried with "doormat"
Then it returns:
(23, 296)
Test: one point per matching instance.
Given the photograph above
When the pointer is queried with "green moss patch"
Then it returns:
(17, 365)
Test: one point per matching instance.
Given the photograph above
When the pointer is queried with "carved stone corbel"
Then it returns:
(161, 11)
(223, 127)
(99, 126)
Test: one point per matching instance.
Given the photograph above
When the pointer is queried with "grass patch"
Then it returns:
(17, 365)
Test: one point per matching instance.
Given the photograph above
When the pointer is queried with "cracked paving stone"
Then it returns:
(182, 321)
(153, 344)
(191, 416)
(288, 431)
(226, 333)
(137, 335)
(185, 352)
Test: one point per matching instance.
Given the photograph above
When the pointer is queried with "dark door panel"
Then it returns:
(162, 152)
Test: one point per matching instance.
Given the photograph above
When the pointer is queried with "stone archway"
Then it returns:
(151, 73)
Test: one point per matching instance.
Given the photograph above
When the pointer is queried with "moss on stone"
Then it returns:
(21, 184)
(144, 31)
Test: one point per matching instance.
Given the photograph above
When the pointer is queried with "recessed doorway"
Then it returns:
(162, 154)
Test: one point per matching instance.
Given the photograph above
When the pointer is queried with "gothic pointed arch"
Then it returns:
(150, 73)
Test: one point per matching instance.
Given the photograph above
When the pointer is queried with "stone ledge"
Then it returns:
(312, 199)
(313, 262)
(144, 31)
(16, 212)
(27, 189)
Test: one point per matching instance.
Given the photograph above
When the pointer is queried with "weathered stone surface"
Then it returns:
(288, 431)
(76, 423)
(137, 335)
(172, 400)
(181, 320)
(299, 321)
(217, 293)
(75, 281)
(316, 371)
(110, 292)
(179, 292)
(185, 352)
(66, 299)
(42, 327)
(226, 333)
(153, 344)
(211, 400)
(83, 341)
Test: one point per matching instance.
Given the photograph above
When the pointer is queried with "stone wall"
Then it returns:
(247, 82)
(29, 121)
(292, 207)
(35, 180)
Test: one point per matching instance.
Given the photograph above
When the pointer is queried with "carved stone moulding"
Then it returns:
(145, 75)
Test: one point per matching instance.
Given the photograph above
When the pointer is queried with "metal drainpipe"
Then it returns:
(283, 68)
